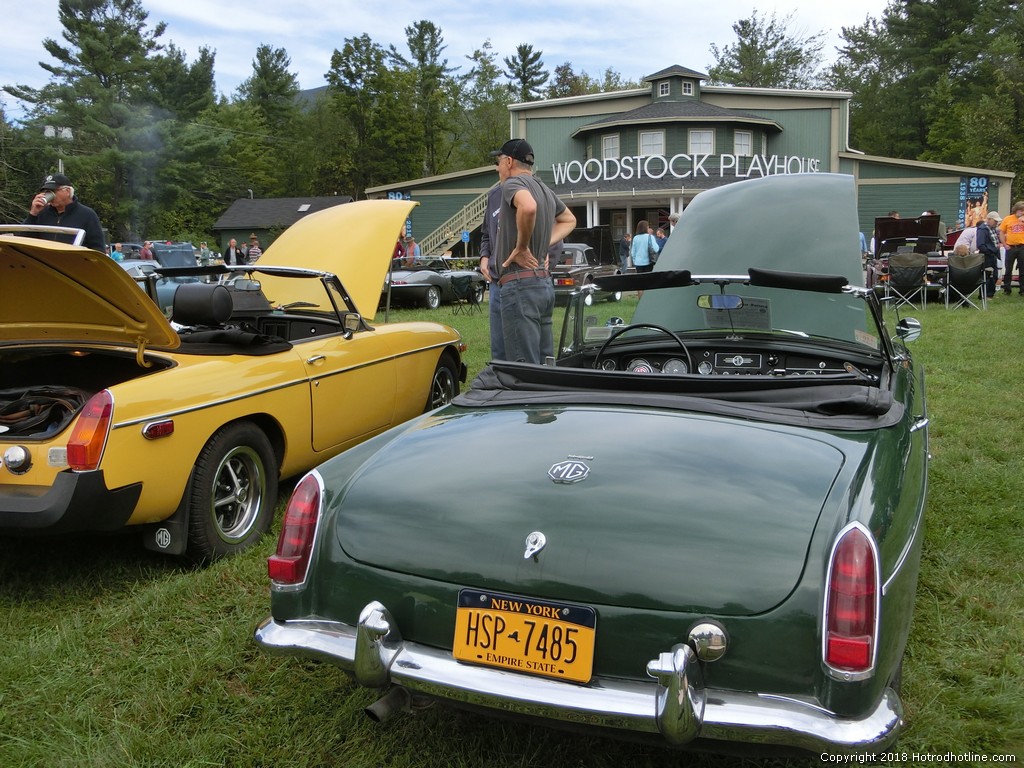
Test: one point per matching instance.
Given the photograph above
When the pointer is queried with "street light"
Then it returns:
(59, 133)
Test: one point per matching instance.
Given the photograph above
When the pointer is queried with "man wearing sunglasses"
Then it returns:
(55, 205)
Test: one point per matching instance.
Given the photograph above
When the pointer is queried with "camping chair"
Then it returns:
(467, 295)
(906, 283)
(964, 277)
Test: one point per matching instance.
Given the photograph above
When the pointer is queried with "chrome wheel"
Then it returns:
(443, 387)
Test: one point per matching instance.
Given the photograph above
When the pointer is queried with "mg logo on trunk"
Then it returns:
(569, 471)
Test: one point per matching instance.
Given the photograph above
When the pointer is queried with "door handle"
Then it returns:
(315, 359)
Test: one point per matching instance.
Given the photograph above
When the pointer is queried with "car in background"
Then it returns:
(159, 286)
(920, 235)
(575, 265)
(702, 526)
(171, 253)
(430, 282)
(113, 417)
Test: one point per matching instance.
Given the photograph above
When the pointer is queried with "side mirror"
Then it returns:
(350, 323)
(908, 329)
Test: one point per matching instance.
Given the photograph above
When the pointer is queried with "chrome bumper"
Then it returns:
(674, 703)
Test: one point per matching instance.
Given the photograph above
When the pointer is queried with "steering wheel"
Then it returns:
(619, 331)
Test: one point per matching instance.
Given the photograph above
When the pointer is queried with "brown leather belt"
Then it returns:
(519, 274)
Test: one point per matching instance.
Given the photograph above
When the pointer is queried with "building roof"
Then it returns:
(265, 213)
(673, 111)
(675, 71)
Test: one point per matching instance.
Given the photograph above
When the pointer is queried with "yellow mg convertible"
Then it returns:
(113, 416)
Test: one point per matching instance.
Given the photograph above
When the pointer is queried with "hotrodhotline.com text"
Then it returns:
(916, 758)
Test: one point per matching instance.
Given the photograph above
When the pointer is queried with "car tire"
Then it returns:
(232, 492)
(588, 300)
(478, 293)
(444, 384)
(615, 296)
(432, 298)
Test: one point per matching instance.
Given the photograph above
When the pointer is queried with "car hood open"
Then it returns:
(665, 512)
(354, 241)
(54, 292)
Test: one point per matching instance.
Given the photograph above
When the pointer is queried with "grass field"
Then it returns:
(113, 656)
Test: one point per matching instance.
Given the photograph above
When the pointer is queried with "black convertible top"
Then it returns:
(819, 402)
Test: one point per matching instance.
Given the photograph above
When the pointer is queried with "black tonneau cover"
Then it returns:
(819, 402)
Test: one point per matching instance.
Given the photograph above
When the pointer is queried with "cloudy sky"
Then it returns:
(634, 38)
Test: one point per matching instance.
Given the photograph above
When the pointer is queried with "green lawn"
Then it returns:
(114, 656)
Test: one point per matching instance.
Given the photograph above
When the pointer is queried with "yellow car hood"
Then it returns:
(354, 241)
(52, 291)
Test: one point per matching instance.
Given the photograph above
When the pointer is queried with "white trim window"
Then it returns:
(687, 88)
(702, 142)
(651, 143)
(743, 144)
(610, 147)
(664, 88)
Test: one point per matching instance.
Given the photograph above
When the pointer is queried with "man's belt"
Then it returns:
(519, 274)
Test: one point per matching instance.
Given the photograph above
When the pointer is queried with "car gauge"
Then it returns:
(675, 366)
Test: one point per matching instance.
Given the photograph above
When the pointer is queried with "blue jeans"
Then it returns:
(526, 309)
(497, 337)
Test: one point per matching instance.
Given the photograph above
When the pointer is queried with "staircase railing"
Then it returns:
(449, 233)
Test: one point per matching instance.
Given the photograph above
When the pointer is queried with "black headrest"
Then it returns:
(202, 304)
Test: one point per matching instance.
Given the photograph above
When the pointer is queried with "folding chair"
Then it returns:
(906, 284)
(964, 277)
(467, 295)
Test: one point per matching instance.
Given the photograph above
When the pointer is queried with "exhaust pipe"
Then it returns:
(396, 700)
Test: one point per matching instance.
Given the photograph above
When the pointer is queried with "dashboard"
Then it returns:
(727, 362)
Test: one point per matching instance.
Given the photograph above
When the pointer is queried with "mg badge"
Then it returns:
(569, 471)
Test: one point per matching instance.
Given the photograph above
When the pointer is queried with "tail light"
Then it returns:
(295, 545)
(852, 601)
(89, 437)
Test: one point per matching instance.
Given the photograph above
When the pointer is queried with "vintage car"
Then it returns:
(575, 265)
(111, 416)
(147, 273)
(702, 524)
(920, 235)
(432, 281)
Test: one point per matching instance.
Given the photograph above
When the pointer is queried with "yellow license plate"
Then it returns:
(538, 637)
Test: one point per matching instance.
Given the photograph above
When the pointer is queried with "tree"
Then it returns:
(566, 82)
(526, 72)
(96, 88)
(271, 88)
(767, 55)
(433, 106)
(482, 123)
(374, 101)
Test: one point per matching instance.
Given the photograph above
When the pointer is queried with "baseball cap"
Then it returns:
(517, 149)
(55, 181)
(994, 216)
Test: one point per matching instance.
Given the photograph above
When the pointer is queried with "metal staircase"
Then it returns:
(450, 233)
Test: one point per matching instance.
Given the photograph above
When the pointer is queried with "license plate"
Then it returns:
(538, 637)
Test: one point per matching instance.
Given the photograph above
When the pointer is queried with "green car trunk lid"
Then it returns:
(666, 511)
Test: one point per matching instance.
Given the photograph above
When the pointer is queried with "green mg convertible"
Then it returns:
(701, 524)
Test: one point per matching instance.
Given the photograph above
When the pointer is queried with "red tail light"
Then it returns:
(851, 612)
(89, 437)
(295, 545)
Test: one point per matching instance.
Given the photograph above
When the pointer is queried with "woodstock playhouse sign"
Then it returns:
(638, 167)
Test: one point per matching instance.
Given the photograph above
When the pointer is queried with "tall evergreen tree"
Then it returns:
(95, 90)
(482, 124)
(433, 86)
(767, 54)
(526, 72)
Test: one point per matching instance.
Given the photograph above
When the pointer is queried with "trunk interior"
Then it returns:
(43, 389)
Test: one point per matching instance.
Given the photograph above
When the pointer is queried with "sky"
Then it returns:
(635, 39)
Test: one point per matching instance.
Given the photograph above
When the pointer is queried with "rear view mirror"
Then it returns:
(908, 328)
(719, 301)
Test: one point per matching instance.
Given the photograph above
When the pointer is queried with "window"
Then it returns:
(743, 144)
(702, 142)
(687, 89)
(652, 143)
(610, 147)
(664, 89)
